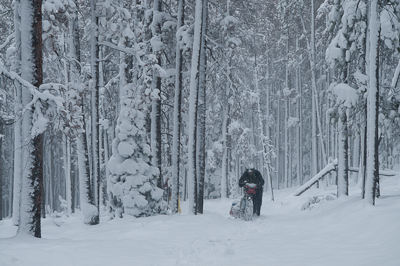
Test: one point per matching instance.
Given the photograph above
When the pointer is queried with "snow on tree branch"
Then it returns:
(43, 98)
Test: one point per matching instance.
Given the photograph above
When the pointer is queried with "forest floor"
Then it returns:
(338, 232)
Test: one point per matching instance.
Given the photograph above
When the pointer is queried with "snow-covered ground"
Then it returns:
(338, 232)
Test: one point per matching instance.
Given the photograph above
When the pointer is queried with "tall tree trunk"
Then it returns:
(366, 68)
(343, 161)
(373, 106)
(201, 119)
(298, 129)
(156, 104)
(286, 158)
(67, 171)
(268, 134)
(177, 116)
(364, 161)
(94, 53)
(32, 173)
(18, 146)
(224, 172)
(286, 143)
(87, 208)
(278, 143)
(2, 175)
(193, 107)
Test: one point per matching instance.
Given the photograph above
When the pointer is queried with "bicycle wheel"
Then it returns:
(242, 207)
(248, 210)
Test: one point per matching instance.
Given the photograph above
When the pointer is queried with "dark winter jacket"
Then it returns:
(255, 178)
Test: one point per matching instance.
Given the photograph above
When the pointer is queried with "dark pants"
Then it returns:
(257, 201)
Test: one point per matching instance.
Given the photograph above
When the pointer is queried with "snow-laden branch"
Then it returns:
(131, 51)
(396, 76)
(5, 11)
(327, 169)
(135, 51)
(345, 95)
(9, 38)
(43, 93)
(36, 93)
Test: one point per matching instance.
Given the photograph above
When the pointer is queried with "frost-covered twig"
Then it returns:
(9, 38)
(131, 51)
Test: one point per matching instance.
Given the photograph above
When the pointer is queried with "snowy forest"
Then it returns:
(143, 108)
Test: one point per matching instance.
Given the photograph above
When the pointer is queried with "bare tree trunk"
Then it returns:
(156, 104)
(193, 107)
(224, 172)
(32, 174)
(177, 116)
(286, 158)
(343, 161)
(18, 146)
(95, 113)
(2, 175)
(373, 107)
(278, 144)
(67, 171)
(201, 137)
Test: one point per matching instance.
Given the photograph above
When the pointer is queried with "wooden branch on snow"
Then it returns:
(332, 167)
(328, 168)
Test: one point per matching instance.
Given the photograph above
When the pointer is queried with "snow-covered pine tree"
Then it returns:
(132, 180)
(347, 40)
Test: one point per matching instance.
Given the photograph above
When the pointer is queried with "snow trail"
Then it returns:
(337, 232)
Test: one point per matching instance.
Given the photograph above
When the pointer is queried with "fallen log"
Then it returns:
(332, 167)
(327, 169)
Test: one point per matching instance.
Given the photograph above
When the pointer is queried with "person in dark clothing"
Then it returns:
(252, 175)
